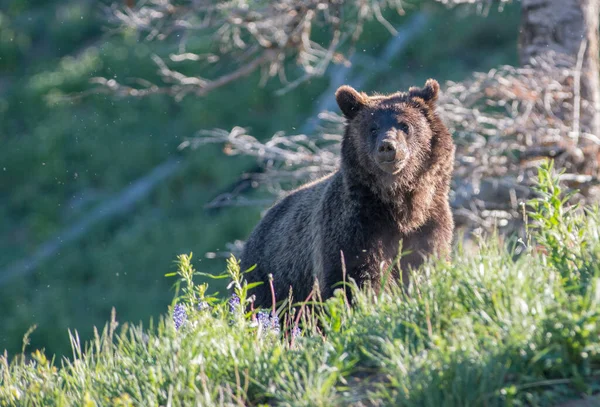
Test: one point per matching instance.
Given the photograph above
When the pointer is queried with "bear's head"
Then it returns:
(389, 139)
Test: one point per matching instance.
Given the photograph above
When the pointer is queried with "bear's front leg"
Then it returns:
(433, 238)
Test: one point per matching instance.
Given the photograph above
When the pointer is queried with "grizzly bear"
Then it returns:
(393, 183)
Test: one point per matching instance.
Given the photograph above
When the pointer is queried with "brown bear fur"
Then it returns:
(366, 207)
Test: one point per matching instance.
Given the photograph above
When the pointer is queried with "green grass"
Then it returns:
(502, 327)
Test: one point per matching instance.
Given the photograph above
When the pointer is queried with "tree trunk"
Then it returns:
(568, 27)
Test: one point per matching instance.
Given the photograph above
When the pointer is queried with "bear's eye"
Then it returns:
(373, 131)
(403, 127)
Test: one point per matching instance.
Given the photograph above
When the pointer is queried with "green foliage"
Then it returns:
(486, 329)
(565, 241)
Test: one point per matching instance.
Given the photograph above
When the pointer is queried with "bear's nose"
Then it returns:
(387, 151)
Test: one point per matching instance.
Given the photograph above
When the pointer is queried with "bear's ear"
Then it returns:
(349, 101)
(429, 93)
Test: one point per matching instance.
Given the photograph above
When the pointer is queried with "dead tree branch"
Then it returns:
(245, 37)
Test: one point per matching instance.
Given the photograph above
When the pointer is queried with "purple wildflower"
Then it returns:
(234, 303)
(296, 332)
(179, 316)
(268, 322)
(263, 320)
(203, 306)
(275, 323)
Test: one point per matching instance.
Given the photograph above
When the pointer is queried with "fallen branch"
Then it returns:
(117, 205)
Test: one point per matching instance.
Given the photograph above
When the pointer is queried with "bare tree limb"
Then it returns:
(577, 92)
(121, 203)
(274, 32)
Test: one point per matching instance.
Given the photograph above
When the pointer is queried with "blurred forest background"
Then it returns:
(96, 197)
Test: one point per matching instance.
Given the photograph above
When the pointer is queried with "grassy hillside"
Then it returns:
(63, 159)
(504, 327)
